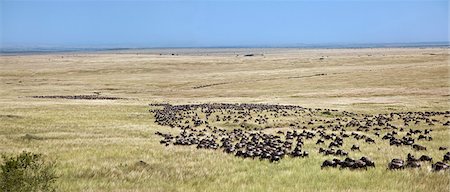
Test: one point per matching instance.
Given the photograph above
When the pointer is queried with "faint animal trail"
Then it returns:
(257, 80)
(210, 85)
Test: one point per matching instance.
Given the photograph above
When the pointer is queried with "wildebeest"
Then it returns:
(328, 163)
(368, 161)
(418, 147)
(355, 147)
(413, 164)
(425, 158)
(447, 157)
(438, 166)
(396, 164)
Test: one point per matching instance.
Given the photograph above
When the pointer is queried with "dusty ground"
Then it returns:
(97, 143)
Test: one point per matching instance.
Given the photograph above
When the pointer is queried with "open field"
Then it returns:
(98, 144)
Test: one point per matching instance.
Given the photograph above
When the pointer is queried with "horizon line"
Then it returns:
(285, 45)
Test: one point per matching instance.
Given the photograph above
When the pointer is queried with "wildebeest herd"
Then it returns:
(81, 97)
(272, 132)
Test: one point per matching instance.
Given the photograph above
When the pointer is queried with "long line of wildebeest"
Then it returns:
(199, 126)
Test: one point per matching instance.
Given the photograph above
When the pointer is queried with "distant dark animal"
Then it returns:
(419, 147)
(229, 150)
(341, 152)
(368, 161)
(413, 164)
(370, 140)
(355, 147)
(328, 163)
(305, 154)
(421, 137)
(347, 163)
(359, 164)
(447, 157)
(425, 158)
(411, 158)
(275, 158)
(438, 166)
(320, 141)
(396, 164)
(333, 144)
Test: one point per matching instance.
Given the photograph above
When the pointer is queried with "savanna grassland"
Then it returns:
(99, 144)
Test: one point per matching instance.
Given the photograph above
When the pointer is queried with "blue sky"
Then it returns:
(90, 23)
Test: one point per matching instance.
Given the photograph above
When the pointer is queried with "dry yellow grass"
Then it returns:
(98, 144)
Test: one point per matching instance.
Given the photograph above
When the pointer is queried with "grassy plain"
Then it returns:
(98, 143)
